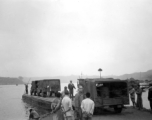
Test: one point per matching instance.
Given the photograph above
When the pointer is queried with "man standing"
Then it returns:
(150, 96)
(48, 91)
(63, 92)
(87, 107)
(132, 95)
(139, 104)
(26, 88)
(71, 87)
(77, 103)
(67, 106)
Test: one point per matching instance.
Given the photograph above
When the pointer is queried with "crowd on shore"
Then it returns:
(62, 107)
(138, 103)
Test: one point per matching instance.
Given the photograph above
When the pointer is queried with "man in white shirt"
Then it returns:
(67, 106)
(87, 107)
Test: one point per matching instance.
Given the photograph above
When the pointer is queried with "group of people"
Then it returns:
(138, 91)
(69, 89)
(82, 107)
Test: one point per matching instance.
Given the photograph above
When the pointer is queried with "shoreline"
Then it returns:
(129, 113)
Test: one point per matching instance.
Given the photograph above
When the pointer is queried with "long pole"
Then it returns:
(100, 74)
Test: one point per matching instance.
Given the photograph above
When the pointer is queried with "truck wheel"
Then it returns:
(117, 110)
(98, 110)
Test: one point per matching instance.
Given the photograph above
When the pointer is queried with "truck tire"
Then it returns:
(117, 110)
(98, 110)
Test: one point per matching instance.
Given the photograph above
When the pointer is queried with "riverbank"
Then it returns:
(129, 113)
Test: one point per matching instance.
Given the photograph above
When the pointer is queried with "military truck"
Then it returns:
(41, 87)
(106, 92)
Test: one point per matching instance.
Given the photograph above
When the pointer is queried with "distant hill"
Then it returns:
(10, 81)
(65, 79)
(138, 75)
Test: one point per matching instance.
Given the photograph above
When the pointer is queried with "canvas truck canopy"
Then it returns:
(91, 81)
(111, 89)
(53, 84)
(106, 90)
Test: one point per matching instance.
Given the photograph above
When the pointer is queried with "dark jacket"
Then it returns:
(150, 94)
(71, 86)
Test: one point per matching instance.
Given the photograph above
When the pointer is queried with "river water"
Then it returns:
(13, 108)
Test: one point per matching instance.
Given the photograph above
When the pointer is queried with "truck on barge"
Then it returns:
(42, 93)
(106, 92)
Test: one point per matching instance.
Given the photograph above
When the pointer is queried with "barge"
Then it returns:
(42, 102)
(42, 93)
(105, 92)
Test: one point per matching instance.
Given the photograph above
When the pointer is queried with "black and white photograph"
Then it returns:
(75, 59)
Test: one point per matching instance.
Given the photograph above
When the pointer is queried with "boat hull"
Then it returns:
(37, 101)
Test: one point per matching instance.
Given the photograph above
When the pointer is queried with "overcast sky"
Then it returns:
(67, 37)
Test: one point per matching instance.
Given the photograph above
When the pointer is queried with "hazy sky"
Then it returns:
(65, 37)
